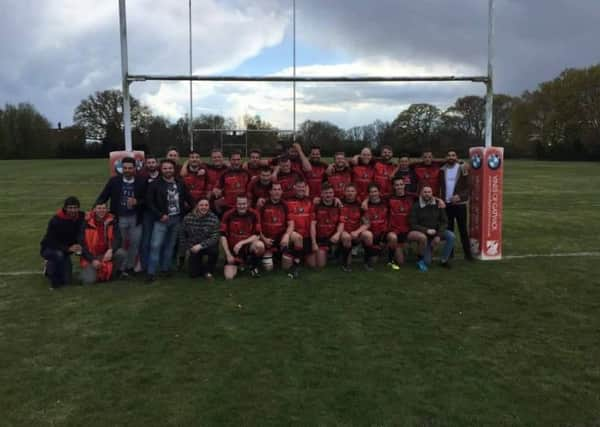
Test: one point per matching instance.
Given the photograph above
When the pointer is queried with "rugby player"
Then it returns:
(374, 239)
(355, 225)
(240, 239)
(329, 228)
(400, 204)
(274, 225)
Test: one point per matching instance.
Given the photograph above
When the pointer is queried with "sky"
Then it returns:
(54, 53)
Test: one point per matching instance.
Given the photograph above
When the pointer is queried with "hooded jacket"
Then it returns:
(62, 231)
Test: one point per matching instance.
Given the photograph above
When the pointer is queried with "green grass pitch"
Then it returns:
(515, 342)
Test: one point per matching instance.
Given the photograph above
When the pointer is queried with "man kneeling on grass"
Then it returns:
(428, 222)
(240, 239)
(200, 237)
(60, 241)
(101, 259)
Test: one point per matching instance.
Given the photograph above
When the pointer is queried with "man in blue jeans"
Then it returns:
(60, 241)
(127, 193)
(168, 200)
(429, 226)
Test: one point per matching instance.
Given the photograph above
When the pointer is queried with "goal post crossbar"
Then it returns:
(305, 79)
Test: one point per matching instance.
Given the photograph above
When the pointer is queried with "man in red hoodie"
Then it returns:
(101, 255)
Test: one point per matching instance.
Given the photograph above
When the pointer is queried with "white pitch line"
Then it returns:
(555, 255)
(506, 257)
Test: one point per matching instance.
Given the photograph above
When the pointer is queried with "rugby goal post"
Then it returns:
(489, 179)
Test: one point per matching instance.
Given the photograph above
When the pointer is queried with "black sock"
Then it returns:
(345, 253)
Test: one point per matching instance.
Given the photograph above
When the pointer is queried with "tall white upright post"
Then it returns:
(124, 73)
(489, 105)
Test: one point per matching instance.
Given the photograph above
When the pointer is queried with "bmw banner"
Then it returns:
(485, 230)
(114, 162)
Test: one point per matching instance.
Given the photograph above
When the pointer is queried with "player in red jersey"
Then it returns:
(214, 169)
(339, 174)
(355, 225)
(315, 177)
(428, 173)
(329, 228)
(407, 174)
(302, 239)
(363, 173)
(274, 225)
(195, 179)
(254, 164)
(287, 177)
(259, 187)
(240, 239)
(377, 215)
(232, 183)
(384, 170)
(400, 204)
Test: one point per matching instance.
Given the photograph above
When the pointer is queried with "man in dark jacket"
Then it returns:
(429, 225)
(60, 241)
(126, 193)
(200, 237)
(455, 190)
(168, 200)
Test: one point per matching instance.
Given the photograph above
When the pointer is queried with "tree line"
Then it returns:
(560, 120)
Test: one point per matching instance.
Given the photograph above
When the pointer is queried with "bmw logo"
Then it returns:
(494, 162)
(476, 161)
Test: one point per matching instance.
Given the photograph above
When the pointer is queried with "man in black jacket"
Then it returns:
(168, 200)
(60, 241)
(126, 193)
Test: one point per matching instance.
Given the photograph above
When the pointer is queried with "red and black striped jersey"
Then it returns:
(233, 183)
(213, 175)
(383, 176)
(301, 211)
(287, 181)
(362, 176)
(328, 218)
(258, 190)
(338, 180)
(273, 219)
(428, 176)
(253, 170)
(195, 185)
(315, 178)
(377, 214)
(399, 212)
(237, 227)
(351, 215)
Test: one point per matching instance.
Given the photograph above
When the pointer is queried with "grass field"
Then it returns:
(515, 342)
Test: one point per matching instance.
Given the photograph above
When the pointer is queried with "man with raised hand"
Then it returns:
(274, 225)
(400, 205)
(240, 239)
(374, 239)
(355, 225)
(168, 200)
(60, 241)
(429, 226)
(199, 237)
(127, 193)
(329, 227)
(301, 236)
(455, 189)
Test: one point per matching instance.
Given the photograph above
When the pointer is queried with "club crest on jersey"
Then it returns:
(237, 185)
(301, 210)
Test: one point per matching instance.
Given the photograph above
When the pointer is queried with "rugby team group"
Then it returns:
(262, 214)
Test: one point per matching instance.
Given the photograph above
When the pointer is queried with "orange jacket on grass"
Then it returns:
(97, 237)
